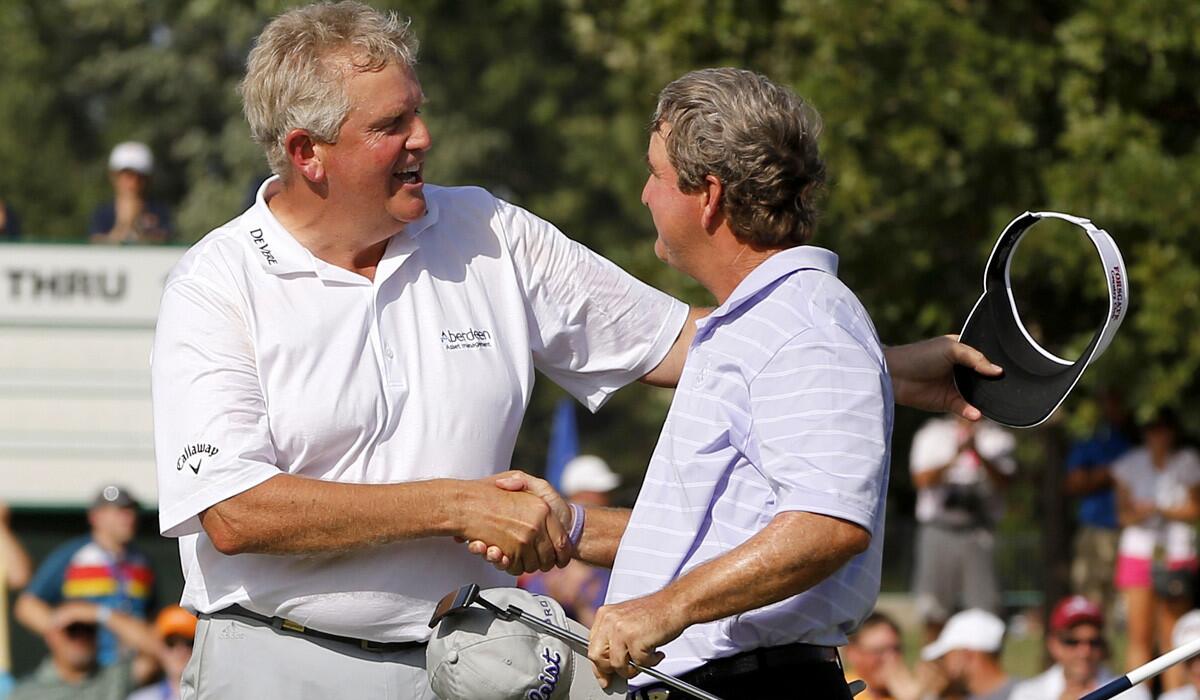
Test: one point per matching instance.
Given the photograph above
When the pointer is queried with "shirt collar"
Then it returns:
(277, 251)
(779, 265)
(280, 253)
(402, 245)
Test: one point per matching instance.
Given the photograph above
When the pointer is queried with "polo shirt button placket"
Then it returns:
(392, 370)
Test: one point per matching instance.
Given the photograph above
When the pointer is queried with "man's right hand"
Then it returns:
(525, 530)
(518, 481)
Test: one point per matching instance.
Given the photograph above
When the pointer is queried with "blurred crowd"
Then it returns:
(130, 217)
(1136, 491)
(92, 602)
(1133, 568)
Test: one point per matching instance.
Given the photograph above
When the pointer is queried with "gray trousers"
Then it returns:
(238, 659)
(956, 570)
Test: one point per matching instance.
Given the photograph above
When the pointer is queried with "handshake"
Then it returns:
(517, 522)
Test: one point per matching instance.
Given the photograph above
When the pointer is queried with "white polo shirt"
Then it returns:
(268, 360)
(1050, 685)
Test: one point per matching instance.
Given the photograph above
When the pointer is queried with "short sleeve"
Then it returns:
(1124, 470)
(821, 417)
(47, 582)
(1079, 457)
(1189, 468)
(211, 437)
(593, 327)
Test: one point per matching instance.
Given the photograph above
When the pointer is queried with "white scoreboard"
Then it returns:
(76, 327)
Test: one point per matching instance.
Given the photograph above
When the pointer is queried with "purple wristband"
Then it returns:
(576, 524)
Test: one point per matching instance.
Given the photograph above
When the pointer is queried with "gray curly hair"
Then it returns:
(758, 138)
(295, 76)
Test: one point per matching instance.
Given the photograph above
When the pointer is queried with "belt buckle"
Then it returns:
(368, 645)
(293, 626)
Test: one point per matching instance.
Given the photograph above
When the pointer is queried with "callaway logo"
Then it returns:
(261, 242)
(191, 451)
(1118, 300)
(470, 338)
(548, 678)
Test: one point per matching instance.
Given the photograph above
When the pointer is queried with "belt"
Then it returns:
(280, 624)
(743, 664)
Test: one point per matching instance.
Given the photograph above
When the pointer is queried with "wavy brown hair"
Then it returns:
(755, 136)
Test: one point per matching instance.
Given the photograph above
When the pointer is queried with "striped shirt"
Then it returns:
(83, 570)
(784, 404)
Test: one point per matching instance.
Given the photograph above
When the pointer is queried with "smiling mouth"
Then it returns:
(410, 175)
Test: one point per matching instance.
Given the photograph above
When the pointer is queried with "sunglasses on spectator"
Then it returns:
(79, 630)
(176, 640)
(1094, 642)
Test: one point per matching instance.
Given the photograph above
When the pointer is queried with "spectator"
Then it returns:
(14, 561)
(876, 656)
(960, 469)
(968, 653)
(15, 568)
(131, 217)
(580, 588)
(71, 671)
(1187, 629)
(1076, 643)
(176, 629)
(102, 568)
(1158, 502)
(1089, 477)
(10, 223)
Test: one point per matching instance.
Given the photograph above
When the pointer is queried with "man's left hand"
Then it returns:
(633, 631)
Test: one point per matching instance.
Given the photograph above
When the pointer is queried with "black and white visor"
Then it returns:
(1035, 382)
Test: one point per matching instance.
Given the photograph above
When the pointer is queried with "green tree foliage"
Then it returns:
(943, 120)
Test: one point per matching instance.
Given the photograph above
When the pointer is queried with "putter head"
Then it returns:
(462, 599)
(454, 602)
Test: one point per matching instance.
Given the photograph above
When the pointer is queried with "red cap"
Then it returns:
(1073, 611)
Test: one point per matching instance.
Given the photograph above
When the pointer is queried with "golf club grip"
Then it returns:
(1145, 672)
(570, 636)
(1110, 689)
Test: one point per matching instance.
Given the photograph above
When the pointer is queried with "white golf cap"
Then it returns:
(474, 655)
(1186, 629)
(588, 473)
(131, 155)
(975, 630)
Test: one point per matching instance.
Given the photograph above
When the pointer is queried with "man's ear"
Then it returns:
(305, 155)
(710, 202)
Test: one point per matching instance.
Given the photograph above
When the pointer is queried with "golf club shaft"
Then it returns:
(570, 636)
(1145, 671)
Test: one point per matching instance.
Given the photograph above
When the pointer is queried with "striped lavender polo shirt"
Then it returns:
(784, 404)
